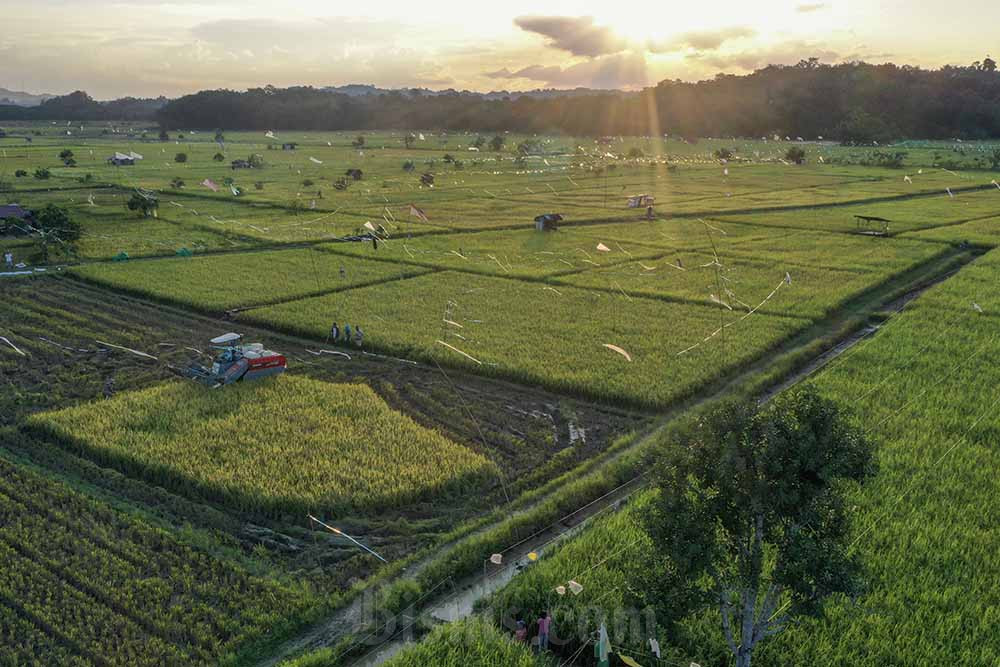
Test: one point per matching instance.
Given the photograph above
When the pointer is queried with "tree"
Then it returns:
(994, 159)
(218, 157)
(723, 154)
(65, 154)
(42, 174)
(635, 153)
(181, 158)
(359, 142)
(479, 142)
(56, 230)
(751, 516)
(164, 136)
(256, 161)
(795, 155)
(146, 205)
(408, 166)
(177, 183)
(219, 137)
(497, 142)
(448, 158)
(408, 140)
(20, 173)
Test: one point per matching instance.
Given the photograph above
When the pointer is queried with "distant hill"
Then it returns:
(80, 106)
(22, 99)
(361, 89)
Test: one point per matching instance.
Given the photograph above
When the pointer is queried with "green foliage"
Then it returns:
(473, 641)
(146, 205)
(497, 142)
(177, 183)
(408, 166)
(723, 154)
(635, 153)
(65, 154)
(359, 141)
(54, 221)
(181, 158)
(43, 174)
(751, 516)
(795, 155)
(20, 173)
(219, 157)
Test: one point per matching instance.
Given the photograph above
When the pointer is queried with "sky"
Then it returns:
(149, 48)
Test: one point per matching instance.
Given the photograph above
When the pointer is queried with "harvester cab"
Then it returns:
(236, 361)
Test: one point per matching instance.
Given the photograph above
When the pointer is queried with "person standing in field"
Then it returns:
(334, 333)
(8, 259)
(347, 333)
(359, 335)
(544, 625)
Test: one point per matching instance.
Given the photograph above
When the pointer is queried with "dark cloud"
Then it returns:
(702, 40)
(613, 71)
(787, 53)
(811, 7)
(578, 35)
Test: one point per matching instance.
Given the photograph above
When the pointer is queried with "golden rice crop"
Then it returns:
(284, 445)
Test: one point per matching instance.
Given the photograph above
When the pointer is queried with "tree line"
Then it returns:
(851, 102)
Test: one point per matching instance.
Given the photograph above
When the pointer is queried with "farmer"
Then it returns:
(109, 387)
(8, 259)
(649, 212)
(335, 332)
(521, 633)
(343, 273)
(347, 333)
(544, 624)
(359, 336)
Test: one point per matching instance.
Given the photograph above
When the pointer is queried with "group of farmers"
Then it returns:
(338, 336)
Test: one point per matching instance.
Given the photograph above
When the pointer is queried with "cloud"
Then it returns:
(811, 7)
(786, 53)
(613, 71)
(577, 35)
(702, 40)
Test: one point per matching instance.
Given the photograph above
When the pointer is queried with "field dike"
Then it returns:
(444, 585)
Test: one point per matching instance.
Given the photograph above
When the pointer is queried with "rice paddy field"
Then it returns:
(344, 448)
(922, 386)
(506, 377)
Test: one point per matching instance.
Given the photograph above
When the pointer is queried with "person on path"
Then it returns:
(347, 333)
(544, 625)
(359, 336)
(334, 333)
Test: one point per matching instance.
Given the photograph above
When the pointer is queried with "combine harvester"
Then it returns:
(235, 362)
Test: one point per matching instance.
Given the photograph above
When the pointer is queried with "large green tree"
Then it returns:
(751, 517)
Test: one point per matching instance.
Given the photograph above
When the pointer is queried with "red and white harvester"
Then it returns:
(235, 361)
